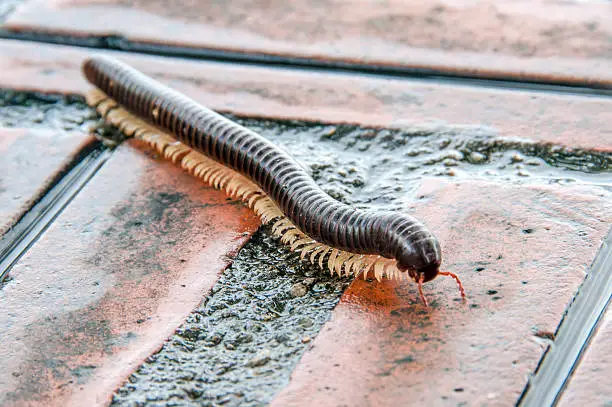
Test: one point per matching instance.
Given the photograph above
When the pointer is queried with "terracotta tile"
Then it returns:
(534, 40)
(113, 277)
(29, 162)
(576, 121)
(521, 253)
(590, 384)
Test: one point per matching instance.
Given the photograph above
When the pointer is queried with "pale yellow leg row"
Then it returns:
(239, 187)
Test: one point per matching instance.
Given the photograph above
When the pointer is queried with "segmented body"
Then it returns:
(280, 177)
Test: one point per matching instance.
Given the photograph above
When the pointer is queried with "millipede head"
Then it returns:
(423, 275)
(426, 268)
(428, 273)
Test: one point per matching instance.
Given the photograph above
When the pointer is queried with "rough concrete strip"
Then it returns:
(521, 252)
(544, 41)
(115, 274)
(575, 121)
(591, 385)
(64, 113)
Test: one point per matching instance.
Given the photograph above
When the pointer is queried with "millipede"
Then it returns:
(335, 236)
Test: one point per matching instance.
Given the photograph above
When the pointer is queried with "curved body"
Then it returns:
(391, 235)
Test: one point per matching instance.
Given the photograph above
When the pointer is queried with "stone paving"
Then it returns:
(141, 286)
(551, 41)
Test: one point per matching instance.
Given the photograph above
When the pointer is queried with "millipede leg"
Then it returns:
(420, 287)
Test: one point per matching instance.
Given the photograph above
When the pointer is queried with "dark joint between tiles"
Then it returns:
(66, 185)
(548, 84)
(574, 334)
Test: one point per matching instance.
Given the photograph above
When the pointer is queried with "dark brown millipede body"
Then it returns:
(388, 234)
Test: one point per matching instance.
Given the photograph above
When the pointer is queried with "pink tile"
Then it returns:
(521, 253)
(572, 120)
(530, 40)
(590, 384)
(29, 161)
(111, 279)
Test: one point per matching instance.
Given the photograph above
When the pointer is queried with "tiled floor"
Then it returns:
(386, 350)
(514, 181)
(113, 277)
(550, 41)
(24, 177)
(589, 386)
(273, 92)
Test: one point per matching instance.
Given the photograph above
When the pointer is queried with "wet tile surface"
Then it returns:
(514, 200)
(30, 159)
(576, 121)
(521, 253)
(590, 385)
(520, 222)
(527, 40)
(115, 275)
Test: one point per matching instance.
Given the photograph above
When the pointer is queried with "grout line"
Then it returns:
(30, 227)
(317, 65)
(7, 7)
(574, 334)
